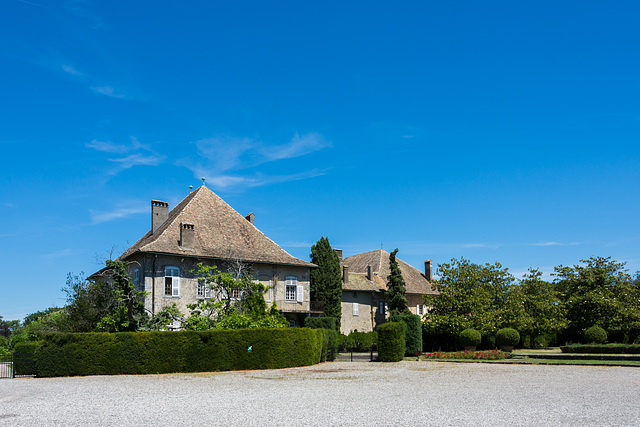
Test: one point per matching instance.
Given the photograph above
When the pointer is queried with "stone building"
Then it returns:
(364, 283)
(203, 228)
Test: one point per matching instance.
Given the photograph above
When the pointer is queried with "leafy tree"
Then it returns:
(600, 293)
(30, 318)
(326, 280)
(104, 305)
(396, 288)
(163, 318)
(235, 303)
(471, 296)
(543, 309)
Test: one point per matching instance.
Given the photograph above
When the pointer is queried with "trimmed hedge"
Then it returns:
(469, 338)
(413, 334)
(25, 361)
(595, 335)
(507, 336)
(320, 323)
(391, 344)
(69, 354)
(602, 349)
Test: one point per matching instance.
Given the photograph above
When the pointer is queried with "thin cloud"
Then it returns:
(118, 213)
(58, 254)
(553, 244)
(135, 154)
(256, 180)
(298, 146)
(107, 91)
(479, 245)
(69, 69)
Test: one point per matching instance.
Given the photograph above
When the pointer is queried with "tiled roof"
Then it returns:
(220, 232)
(415, 280)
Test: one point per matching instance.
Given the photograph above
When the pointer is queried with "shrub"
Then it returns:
(362, 341)
(507, 336)
(413, 334)
(26, 357)
(602, 349)
(595, 334)
(64, 354)
(320, 323)
(391, 344)
(482, 355)
(469, 338)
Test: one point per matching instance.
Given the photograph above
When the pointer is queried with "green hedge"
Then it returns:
(595, 335)
(413, 334)
(320, 323)
(65, 354)
(602, 349)
(391, 344)
(26, 357)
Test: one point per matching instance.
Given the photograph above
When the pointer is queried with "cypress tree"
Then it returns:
(396, 288)
(326, 280)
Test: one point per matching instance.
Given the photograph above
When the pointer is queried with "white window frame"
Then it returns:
(356, 309)
(203, 291)
(421, 309)
(291, 289)
(172, 278)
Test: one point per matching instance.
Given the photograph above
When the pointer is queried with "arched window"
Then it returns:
(172, 282)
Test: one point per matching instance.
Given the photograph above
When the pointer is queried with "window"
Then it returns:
(290, 289)
(382, 308)
(203, 290)
(136, 278)
(265, 280)
(172, 282)
(355, 295)
(355, 309)
(292, 323)
(420, 309)
(235, 293)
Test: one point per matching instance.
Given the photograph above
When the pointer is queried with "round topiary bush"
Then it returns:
(595, 334)
(507, 337)
(469, 338)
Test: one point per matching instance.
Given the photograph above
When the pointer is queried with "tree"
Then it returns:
(111, 305)
(471, 296)
(600, 293)
(234, 303)
(543, 309)
(326, 280)
(396, 289)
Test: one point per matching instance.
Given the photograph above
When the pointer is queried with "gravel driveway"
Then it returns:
(338, 393)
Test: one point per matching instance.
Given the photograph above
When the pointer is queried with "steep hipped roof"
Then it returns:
(417, 283)
(220, 232)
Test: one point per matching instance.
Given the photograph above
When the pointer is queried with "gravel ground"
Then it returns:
(338, 393)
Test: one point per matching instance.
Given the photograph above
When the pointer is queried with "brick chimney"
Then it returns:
(369, 273)
(339, 252)
(345, 274)
(428, 269)
(159, 214)
(187, 236)
(251, 218)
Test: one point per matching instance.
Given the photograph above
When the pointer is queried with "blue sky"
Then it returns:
(495, 131)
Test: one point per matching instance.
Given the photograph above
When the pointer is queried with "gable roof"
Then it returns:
(220, 232)
(417, 283)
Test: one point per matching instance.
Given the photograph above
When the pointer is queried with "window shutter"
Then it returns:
(299, 293)
(355, 308)
(175, 290)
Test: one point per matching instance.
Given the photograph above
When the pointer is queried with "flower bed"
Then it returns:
(479, 355)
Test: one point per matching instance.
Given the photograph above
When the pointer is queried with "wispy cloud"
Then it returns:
(133, 154)
(69, 69)
(221, 156)
(479, 245)
(108, 91)
(553, 244)
(58, 254)
(117, 213)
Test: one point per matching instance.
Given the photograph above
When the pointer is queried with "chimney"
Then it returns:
(159, 214)
(369, 273)
(428, 270)
(345, 274)
(187, 236)
(251, 218)
(339, 252)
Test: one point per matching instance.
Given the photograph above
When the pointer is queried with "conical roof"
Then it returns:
(220, 232)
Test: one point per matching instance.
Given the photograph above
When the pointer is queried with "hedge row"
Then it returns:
(320, 323)
(391, 344)
(65, 354)
(413, 334)
(602, 349)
